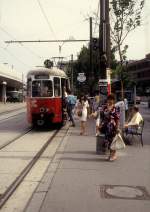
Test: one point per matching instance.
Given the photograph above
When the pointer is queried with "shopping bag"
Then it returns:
(117, 143)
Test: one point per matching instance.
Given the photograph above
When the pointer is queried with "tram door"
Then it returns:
(64, 88)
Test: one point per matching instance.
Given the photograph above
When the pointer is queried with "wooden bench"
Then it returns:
(136, 131)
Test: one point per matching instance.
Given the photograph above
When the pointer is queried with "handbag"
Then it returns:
(117, 143)
(79, 113)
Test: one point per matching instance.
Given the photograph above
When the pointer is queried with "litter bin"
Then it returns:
(101, 145)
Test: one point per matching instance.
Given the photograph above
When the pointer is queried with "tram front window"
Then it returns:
(42, 88)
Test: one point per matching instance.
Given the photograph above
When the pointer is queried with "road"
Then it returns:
(24, 149)
(12, 125)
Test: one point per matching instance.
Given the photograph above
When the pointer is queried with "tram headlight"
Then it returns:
(42, 109)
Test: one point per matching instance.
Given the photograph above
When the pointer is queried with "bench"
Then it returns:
(136, 131)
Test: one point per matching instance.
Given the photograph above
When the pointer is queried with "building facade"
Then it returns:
(139, 73)
(10, 80)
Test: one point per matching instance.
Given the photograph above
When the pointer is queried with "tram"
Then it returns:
(46, 96)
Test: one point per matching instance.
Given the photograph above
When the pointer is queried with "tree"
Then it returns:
(125, 16)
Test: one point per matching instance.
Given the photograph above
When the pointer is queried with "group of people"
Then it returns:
(107, 117)
(80, 107)
(108, 122)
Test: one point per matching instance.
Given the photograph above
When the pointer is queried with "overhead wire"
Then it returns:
(21, 44)
(14, 56)
(46, 18)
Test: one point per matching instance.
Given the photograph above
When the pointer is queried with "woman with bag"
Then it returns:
(109, 124)
(83, 113)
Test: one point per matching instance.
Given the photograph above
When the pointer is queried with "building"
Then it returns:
(10, 80)
(139, 73)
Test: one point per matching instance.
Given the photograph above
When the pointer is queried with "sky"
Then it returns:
(24, 20)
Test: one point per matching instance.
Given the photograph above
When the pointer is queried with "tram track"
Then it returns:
(14, 139)
(13, 186)
(11, 116)
(11, 111)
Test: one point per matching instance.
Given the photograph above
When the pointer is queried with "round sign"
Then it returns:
(81, 77)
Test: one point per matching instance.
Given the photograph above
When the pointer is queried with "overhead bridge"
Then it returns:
(10, 80)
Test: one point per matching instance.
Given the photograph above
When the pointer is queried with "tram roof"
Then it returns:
(52, 72)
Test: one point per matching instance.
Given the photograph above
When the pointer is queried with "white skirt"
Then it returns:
(84, 115)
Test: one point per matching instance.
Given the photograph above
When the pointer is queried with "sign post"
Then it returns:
(108, 73)
(81, 77)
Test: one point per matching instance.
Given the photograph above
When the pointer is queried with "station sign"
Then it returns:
(81, 77)
(103, 82)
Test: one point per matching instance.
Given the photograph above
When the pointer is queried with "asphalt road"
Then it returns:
(12, 125)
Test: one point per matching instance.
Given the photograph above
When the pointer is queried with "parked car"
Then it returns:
(149, 102)
(138, 99)
(14, 96)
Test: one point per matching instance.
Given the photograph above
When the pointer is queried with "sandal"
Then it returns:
(112, 158)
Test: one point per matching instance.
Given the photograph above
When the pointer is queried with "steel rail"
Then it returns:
(10, 190)
(1, 120)
(10, 111)
(14, 139)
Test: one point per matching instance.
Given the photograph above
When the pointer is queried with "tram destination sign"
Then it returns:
(42, 76)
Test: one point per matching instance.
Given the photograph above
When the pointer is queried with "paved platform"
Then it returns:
(78, 180)
(8, 107)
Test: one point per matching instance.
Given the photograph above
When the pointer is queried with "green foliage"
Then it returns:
(125, 16)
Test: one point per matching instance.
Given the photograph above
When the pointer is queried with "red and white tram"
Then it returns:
(45, 95)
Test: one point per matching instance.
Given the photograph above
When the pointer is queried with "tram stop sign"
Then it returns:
(103, 82)
(81, 77)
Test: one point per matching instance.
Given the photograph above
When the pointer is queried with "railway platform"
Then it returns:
(8, 107)
(79, 180)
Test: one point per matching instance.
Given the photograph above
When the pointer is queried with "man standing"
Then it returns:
(71, 101)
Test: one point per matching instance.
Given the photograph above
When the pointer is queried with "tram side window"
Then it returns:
(36, 88)
(63, 87)
(67, 85)
(29, 82)
(56, 86)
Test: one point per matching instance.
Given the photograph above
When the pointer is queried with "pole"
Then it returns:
(23, 96)
(104, 37)
(108, 51)
(47, 41)
(91, 57)
(91, 48)
(72, 87)
(135, 94)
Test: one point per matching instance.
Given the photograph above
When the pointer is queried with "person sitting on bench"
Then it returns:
(135, 121)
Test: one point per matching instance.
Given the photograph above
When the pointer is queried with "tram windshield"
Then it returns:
(42, 88)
